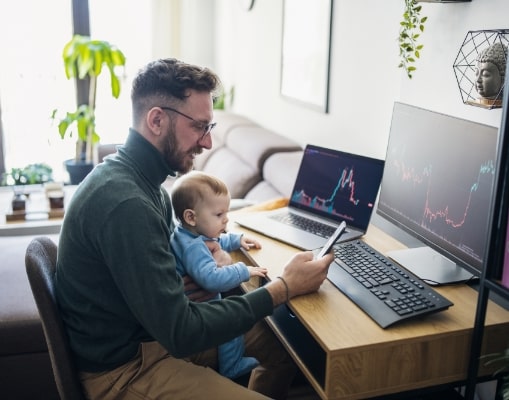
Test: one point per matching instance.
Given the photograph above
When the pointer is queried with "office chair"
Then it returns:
(40, 262)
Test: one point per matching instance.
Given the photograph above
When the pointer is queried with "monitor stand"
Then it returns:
(430, 266)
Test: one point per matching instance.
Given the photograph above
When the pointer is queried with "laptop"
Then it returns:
(331, 186)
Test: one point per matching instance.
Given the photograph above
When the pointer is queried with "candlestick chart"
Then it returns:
(442, 195)
(438, 182)
(342, 185)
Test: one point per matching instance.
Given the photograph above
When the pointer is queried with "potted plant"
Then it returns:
(19, 178)
(32, 174)
(84, 59)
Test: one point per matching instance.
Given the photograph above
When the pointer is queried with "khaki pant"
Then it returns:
(154, 374)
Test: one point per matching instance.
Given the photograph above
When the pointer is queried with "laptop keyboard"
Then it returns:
(306, 224)
(382, 289)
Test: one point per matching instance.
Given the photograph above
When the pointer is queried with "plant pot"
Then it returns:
(78, 170)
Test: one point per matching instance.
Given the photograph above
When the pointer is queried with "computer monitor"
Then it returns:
(437, 186)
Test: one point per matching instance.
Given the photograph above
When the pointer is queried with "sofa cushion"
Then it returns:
(226, 121)
(279, 173)
(238, 175)
(239, 163)
(254, 144)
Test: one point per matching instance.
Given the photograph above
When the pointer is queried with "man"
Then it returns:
(129, 323)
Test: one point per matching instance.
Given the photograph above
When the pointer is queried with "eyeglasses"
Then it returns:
(205, 128)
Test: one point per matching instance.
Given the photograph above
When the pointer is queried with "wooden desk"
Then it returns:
(346, 355)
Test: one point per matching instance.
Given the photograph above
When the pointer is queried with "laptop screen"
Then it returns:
(337, 185)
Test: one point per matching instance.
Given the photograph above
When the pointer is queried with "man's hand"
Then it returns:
(221, 257)
(196, 293)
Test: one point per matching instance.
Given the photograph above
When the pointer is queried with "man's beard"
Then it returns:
(176, 159)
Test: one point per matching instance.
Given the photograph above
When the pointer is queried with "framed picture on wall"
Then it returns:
(305, 60)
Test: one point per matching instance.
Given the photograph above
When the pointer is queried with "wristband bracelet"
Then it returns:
(286, 287)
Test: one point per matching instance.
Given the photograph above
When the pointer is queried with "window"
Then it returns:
(33, 83)
(126, 24)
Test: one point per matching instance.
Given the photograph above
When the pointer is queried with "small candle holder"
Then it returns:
(19, 202)
(56, 199)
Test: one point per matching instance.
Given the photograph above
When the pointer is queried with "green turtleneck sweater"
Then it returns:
(116, 281)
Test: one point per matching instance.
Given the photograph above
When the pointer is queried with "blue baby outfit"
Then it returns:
(195, 259)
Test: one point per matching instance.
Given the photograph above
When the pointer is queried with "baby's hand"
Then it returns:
(249, 243)
(257, 271)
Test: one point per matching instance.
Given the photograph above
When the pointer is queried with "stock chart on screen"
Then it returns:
(438, 180)
(337, 183)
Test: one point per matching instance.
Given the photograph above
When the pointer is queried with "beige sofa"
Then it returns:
(256, 164)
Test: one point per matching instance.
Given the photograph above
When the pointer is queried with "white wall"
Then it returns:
(364, 81)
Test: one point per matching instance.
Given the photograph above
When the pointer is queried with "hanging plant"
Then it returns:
(411, 28)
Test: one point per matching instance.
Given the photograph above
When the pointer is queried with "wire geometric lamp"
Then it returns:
(480, 67)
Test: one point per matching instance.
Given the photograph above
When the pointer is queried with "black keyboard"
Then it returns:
(306, 224)
(382, 289)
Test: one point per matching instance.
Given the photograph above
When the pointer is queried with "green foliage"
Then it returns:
(411, 28)
(82, 119)
(29, 175)
(223, 97)
(86, 58)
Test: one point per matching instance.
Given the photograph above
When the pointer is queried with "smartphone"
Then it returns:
(333, 239)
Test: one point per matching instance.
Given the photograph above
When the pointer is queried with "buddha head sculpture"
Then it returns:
(490, 72)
